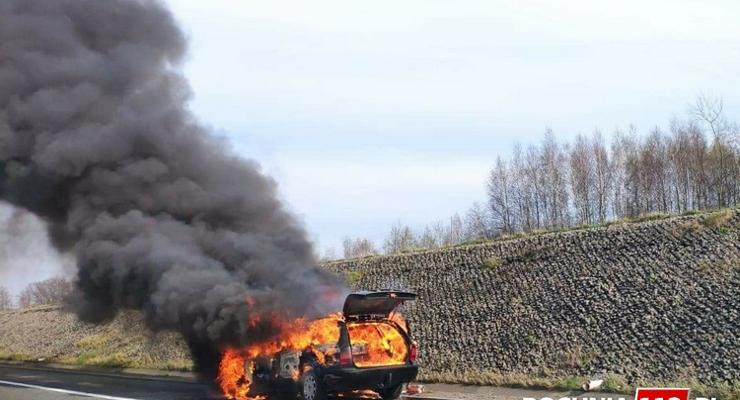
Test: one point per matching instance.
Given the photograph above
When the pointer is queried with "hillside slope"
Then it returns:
(656, 301)
(52, 334)
(652, 301)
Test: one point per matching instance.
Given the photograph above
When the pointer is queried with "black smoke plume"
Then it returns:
(96, 138)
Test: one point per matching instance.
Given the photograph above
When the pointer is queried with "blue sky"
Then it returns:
(371, 112)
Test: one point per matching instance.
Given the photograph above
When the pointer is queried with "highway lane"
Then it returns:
(18, 383)
(31, 383)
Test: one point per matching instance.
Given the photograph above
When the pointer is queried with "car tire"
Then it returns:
(311, 386)
(392, 393)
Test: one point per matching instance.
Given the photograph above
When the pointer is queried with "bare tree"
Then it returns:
(618, 167)
(478, 223)
(522, 192)
(49, 291)
(365, 247)
(400, 239)
(428, 239)
(25, 298)
(359, 247)
(533, 174)
(348, 247)
(456, 231)
(632, 198)
(602, 176)
(699, 158)
(5, 300)
(582, 180)
(654, 171)
(439, 233)
(555, 183)
(499, 197)
(709, 110)
(680, 168)
(722, 173)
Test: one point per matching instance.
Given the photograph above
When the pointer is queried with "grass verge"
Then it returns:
(612, 383)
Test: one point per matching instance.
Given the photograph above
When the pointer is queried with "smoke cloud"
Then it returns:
(96, 139)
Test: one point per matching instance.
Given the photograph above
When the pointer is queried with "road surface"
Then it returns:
(18, 383)
(29, 383)
(32, 383)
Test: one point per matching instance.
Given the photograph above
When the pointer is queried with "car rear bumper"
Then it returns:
(369, 378)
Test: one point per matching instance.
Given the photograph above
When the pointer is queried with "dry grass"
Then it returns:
(354, 277)
(612, 383)
(717, 219)
(499, 379)
(6, 356)
(646, 217)
(616, 383)
(57, 336)
(576, 357)
(688, 226)
(723, 265)
(493, 263)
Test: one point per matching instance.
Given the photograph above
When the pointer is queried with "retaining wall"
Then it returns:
(657, 300)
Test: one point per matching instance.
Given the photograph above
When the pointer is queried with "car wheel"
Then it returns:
(311, 387)
(391, 393)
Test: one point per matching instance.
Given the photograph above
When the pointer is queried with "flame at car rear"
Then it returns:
(232, 377)
(376, 344)
(372, 344)
(235, 380)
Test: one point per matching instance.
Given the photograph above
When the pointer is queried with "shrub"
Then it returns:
(354, 277)
(571, 383)
(576, 357)
(690, 226)
(115, 360)
(717, 219)
(16, 357)
(720, 265)
(493, 263)
(653, 216)
(615, 383)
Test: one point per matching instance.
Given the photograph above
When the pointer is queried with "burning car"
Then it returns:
(366, 347)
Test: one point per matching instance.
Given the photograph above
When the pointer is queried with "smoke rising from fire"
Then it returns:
(96, 139)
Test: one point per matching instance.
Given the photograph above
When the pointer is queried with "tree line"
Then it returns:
(49, 291)
(694, 164)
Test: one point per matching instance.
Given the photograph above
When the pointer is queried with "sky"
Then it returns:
(369, 113)
(373, 112)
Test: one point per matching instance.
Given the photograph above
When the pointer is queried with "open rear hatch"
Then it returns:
(374, 305)
(376, 341)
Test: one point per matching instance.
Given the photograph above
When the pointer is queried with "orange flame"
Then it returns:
(374, 343)
(295, 335)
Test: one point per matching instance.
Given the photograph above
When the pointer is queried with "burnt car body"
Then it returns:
(344, 370)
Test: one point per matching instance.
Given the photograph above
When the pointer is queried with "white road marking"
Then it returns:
(65, 391)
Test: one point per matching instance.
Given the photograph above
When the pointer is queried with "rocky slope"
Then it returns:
(49, 333)
(652, 301)
(656, 301)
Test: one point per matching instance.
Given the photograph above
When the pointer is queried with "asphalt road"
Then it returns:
(29, 383)
(32, 383)
(17, 383)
